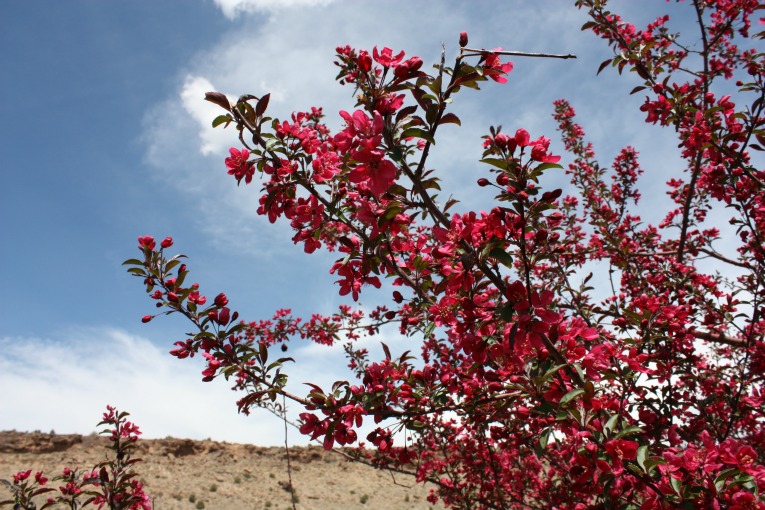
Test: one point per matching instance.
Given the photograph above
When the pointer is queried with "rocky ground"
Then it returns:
(181, 474)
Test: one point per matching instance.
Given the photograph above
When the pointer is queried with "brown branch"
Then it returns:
(516, 53)
(705, 251)
(720, 338)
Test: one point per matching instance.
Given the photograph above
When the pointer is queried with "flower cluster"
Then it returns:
(529, 383)
(110, 484)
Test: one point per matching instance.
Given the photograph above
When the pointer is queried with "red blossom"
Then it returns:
(239, 166)
(146, 243)
(562, 350)
(386, 58)
(494, 68)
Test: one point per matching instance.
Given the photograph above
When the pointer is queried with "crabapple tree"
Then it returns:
(521, 389)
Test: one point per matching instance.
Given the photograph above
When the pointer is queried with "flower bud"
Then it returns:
(483, 182)
(146, 318)
(463, 39)
(221, 300)
(364, 61)
(522, 137)
(224, 316)
(167, 242)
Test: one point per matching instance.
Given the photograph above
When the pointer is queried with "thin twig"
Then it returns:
(287, 451)
(518, 53)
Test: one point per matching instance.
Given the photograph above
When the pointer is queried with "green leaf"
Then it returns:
(610, 424)
(507, 312)
(133, 262)
(547, 375)
(579, 371)
(221, 119)
(642, 454)
(544, 439)
(723, 477)
(502, 256)
(496, 162)
(418, 133)
(628, 432)
(651, 463)
(546, 166)
(571, 395)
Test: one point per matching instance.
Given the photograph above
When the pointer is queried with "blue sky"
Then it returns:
(104, 136)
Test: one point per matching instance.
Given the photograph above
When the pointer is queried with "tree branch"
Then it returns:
(515, 53)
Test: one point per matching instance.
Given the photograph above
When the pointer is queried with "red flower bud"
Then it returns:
(167, 242)
(522, 137)
(364, 61)
(463, 39)
(172, 297)
(401, 71)
(414, 63)
(146, 318)
(482, 182)
(221, 300)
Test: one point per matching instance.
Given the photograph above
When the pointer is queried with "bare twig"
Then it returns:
(287, 451)
(517, 53)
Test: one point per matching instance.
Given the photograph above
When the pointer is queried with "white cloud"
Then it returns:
(298, 72)
(65, 384)
(193, 100)
(231, 8)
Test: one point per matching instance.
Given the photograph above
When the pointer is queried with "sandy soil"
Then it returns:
(181, 474)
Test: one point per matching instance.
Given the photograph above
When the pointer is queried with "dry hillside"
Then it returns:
(181, 474)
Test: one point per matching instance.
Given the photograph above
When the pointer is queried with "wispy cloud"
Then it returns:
(257, 58)
(65, 383)
(192, 98)
(232, 8)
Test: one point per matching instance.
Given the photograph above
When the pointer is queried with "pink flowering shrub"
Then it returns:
(520, 388)
(111, 484)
